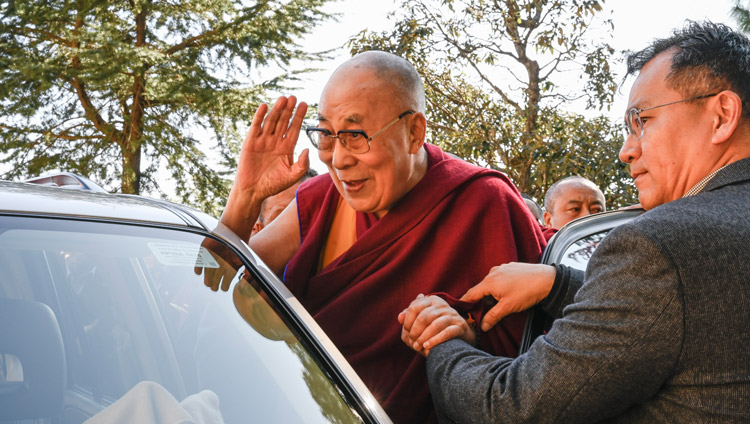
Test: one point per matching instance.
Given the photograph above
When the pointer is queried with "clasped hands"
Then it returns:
(429, 320)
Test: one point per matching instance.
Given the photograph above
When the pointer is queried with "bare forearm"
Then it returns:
(240, 214)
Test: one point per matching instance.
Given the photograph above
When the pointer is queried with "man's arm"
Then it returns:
(278, 241)
(614, 347)
(266, 166)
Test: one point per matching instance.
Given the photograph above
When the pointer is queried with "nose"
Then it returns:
(630, 150)
(341, 156)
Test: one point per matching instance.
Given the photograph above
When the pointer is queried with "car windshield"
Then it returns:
(139, 327)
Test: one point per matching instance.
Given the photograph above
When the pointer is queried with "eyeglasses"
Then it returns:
(634, 123)
(356, 141)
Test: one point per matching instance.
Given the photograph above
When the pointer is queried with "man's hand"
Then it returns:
(266, 166)
(229, 264)
(516, 287)
(429, 321)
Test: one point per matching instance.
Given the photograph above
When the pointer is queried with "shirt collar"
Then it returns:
(702, 183)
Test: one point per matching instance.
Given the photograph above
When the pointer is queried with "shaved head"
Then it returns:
(391, 69)
(571, 198)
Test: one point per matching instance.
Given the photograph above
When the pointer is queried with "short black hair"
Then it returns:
(708, 58)
(309, 174)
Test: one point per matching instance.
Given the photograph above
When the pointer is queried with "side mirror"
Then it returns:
(30, 338)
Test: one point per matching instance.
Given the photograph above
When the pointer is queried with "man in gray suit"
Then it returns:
(659, 330)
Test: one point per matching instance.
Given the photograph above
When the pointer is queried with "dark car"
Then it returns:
(103, 317)
(573, 246)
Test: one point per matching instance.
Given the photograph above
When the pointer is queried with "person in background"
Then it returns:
(571, 198)
(533, 206)
(656, 329)
(271, 207)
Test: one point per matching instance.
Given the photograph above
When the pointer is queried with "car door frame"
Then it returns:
(536, 319)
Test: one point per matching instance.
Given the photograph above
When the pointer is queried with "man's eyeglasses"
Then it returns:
(634, 123)
(356, 141)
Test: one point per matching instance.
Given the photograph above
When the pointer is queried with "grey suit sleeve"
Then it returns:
(613, 347)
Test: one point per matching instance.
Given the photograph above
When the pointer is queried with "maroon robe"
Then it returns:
(548, 232)
(444, 235)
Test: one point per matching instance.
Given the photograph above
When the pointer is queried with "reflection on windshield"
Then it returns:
(579, 253)
(139, 327)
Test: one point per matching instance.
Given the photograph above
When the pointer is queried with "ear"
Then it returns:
(257, 227)
(418, 132)
(547, 219)
(727, 109)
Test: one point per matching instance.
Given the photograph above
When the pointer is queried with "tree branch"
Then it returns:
(200, 39)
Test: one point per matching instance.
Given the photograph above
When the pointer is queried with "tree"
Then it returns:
(116, 89)
(741, 14)
(492, 72)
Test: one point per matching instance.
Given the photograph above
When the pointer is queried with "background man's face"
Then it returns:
(373, 181)
(574, 199)
(670, 157)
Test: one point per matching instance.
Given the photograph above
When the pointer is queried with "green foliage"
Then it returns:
(741, 14)
(116, 90)
(492, 72)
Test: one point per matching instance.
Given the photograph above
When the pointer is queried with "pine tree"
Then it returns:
(116, 90)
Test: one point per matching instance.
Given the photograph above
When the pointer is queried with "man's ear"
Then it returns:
(418, 132)
(257, 227)
(727, 110)
(547, 219)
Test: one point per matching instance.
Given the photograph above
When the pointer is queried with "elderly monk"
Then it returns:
(393, 218)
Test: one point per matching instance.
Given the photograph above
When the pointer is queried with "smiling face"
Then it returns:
(356, 98)
(671, 156)
(573, 199)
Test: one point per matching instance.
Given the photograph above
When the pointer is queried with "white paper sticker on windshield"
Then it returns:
(183, 254)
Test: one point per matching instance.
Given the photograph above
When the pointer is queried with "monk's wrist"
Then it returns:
(241, 213)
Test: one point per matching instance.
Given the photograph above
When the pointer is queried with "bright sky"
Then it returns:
(636, 22)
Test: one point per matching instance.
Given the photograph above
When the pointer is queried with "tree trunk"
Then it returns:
(132, 147)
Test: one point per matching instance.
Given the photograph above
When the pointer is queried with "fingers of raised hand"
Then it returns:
(292, 133)
(272, 129)
(272, 123)
(257, 125)
(285, 112)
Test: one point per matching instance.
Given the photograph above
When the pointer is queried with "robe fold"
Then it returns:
(444, 235)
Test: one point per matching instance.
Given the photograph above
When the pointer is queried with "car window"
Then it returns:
(578, 254)
(573, 246)
(138, 325)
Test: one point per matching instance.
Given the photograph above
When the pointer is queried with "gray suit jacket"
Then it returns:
(659, 331)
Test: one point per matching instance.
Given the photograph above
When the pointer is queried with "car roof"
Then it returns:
(35, 199)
